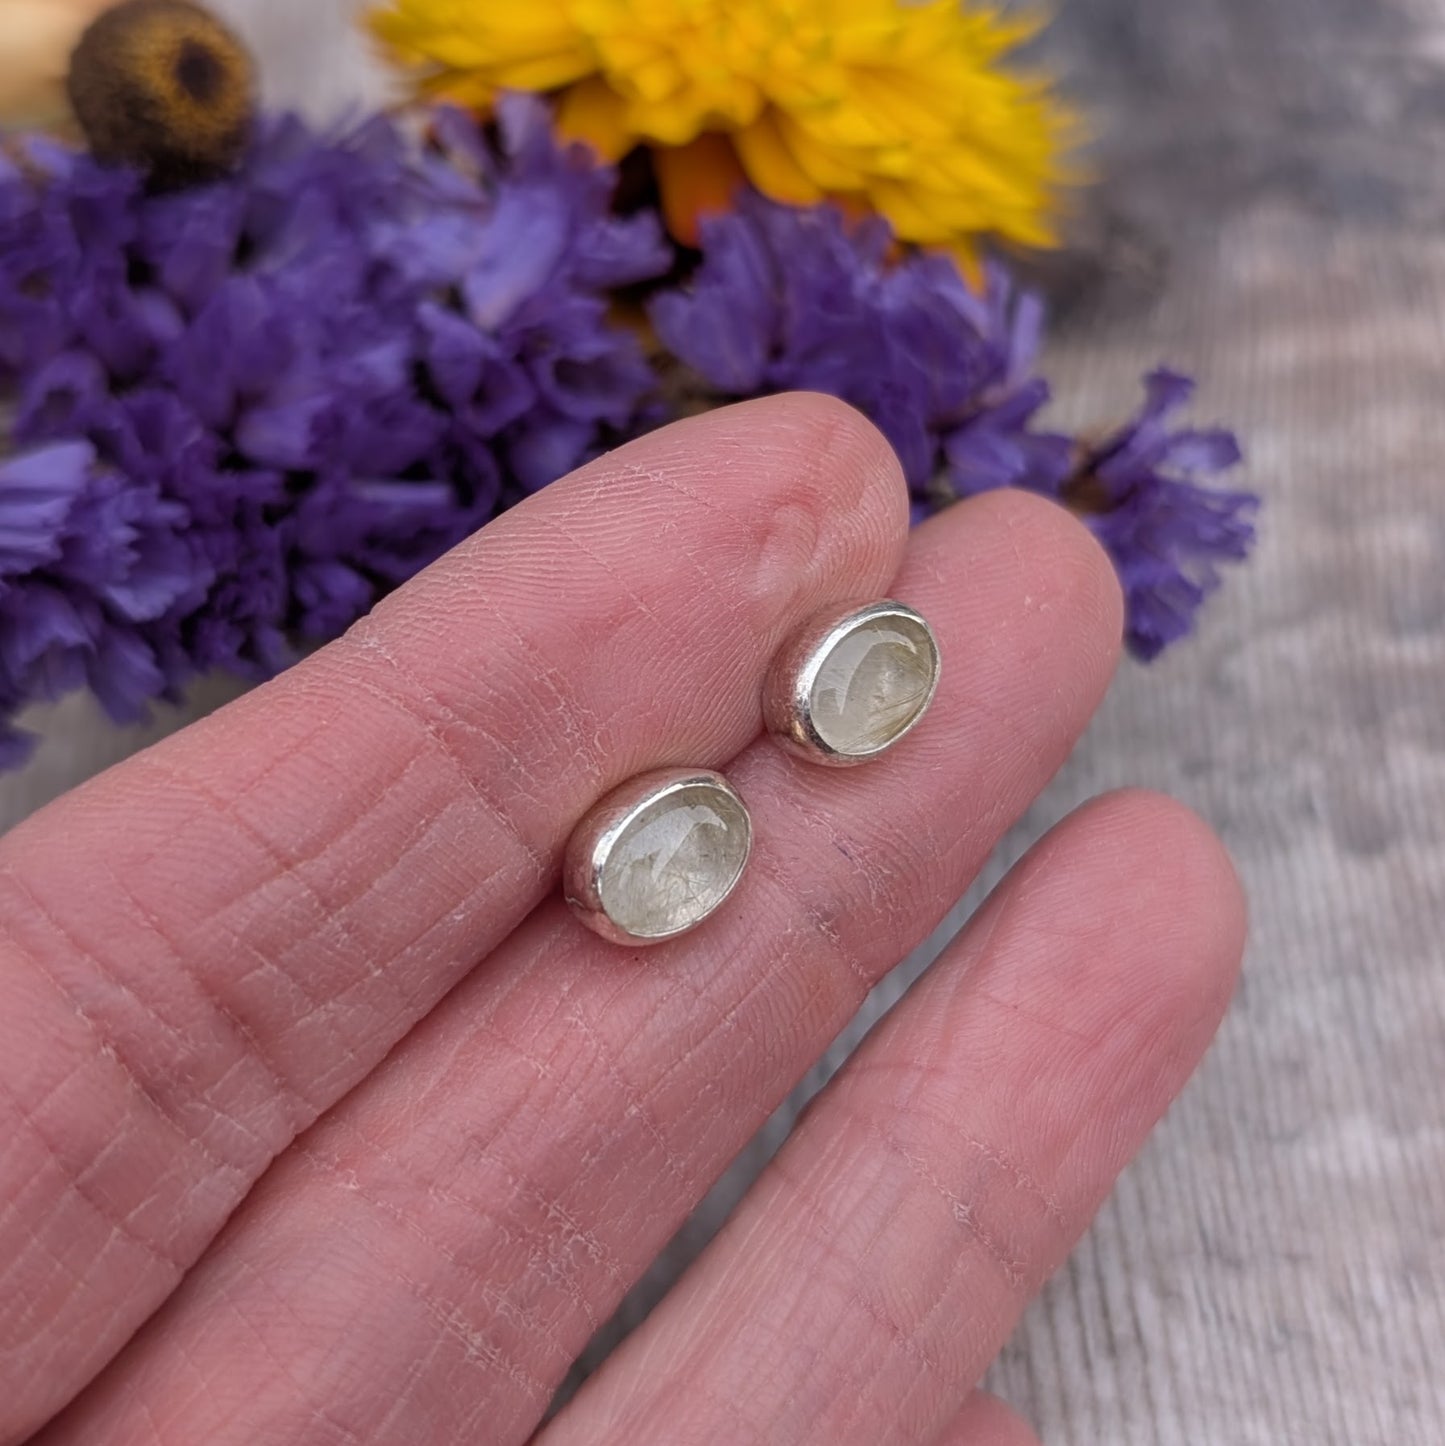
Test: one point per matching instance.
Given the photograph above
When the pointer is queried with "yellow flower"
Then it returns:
(901, 108)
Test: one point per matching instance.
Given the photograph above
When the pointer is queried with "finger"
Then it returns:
(437, 1251)
(210, 944)
(874, 1271)
(987, 1421)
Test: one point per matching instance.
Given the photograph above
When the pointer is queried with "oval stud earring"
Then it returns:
(851, 683)
(657, 855)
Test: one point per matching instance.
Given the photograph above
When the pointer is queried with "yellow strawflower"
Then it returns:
(886, 106)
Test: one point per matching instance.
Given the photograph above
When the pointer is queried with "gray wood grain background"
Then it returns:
(1272, 1270)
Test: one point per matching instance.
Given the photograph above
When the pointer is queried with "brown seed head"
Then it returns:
(164, 85)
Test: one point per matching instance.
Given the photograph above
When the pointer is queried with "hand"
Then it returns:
(323, 1121)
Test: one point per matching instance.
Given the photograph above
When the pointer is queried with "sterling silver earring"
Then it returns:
(851, 683)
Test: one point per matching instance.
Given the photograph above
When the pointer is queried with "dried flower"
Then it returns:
(295, 386)
(898, 108)
(1139, 490)
(790, 298)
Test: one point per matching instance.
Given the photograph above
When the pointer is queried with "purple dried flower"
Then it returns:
(248, 409)
(1139, 491)
(799, 298)
(89, 561)
(791, 298)
(252, 407)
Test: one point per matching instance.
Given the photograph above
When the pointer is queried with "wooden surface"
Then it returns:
(1272, 1270)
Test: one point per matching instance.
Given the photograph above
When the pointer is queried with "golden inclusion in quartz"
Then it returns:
(675, 861)
(873, 685)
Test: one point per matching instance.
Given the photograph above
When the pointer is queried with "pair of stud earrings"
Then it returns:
(660, 853)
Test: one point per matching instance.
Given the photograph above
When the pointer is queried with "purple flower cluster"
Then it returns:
(243, 411)
(801, 299)
(1139, 490)
(790, 299)
(240, 413)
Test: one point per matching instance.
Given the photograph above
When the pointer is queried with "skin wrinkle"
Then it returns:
(734, 1409)
(104, 1047)
(60, 1342)
(719, 583)
(18, 1322)
(816, 462)
(866, 1398)
(80, 1183)
(155, 1427)
(1019, 1272)
(851, 1277)
(289, 1101)
(1015, 1010)
(899, 1337)
(676, 1367)
(297, 1108)
(460, 1326)
(154, 762)
(821, 1240)
(24, 1110)
(507, 1362)
(58, 1265)
(430, 731)
(379, 970)
(741, 1007)
(417, 1374)
(502, 1123)
(552, 1210)
(916, 1106)
(637, 604)
(766, 871)
(759, 984)
(837, 1008)
(174, 1264)
(567, 709)
(136, 1082)
(1099, 944)
(609, 571)
(638, 1106)
(670, 1072)
(203, 1386)
(346, 901)
(284, 867)
(384, 971)
(344, 1434)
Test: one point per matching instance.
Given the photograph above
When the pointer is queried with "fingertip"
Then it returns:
(847, 485)
(1080, 582)
(840, 439)
(845, 482)
(1184, 880)
(1048, 563)
(1126, 928)
(814, 445)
